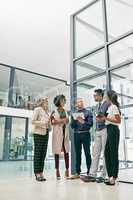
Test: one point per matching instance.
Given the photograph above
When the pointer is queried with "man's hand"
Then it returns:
(100, 119)
(80, 120)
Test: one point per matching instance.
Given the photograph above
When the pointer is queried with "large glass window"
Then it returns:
(2, 131)
(85, 89)
(18, 139)
(119, 14)
(126, 133)
(91, 64)
(122, 83)
(97, 53)
(4, 85)
(89, 29)
(29, 87)
(121, 51)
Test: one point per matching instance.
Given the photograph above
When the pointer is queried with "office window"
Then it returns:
(89, 29)
(4, 85)
(119, 15)
(29, 88)
(92, 64)
(121, 51)
(85, 89)
(122, 83)
(2, 131)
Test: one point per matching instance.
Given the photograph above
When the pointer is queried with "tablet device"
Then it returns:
(78, 114)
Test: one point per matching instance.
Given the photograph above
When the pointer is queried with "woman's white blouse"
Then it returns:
(112, 111)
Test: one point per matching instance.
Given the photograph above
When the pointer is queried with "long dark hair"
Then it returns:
(113, 97)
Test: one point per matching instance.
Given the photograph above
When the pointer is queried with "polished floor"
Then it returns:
(28, 188)
(17, 182)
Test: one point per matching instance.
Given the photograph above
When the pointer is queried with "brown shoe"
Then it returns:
(67, 174)
(76, 176)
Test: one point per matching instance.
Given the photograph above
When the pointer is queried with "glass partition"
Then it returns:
(85, 89)
(89, 29)
(2, 130)
(91, 64)
(119, 15)
(18, 139)
(29, 88)
(4, 85)
(121, 51)
(103, 45)
(122, 83)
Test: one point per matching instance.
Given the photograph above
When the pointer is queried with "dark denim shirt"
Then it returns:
(77, 126)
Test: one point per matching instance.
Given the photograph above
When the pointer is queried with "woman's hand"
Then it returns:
(114, 119)
(65, 121)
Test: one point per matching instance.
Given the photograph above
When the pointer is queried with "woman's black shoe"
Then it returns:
(108, 182)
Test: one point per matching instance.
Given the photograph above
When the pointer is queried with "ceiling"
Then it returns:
(35, 34)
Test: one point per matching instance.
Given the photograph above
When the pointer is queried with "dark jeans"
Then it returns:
(79, 140)
(40, 150)
(111, 150)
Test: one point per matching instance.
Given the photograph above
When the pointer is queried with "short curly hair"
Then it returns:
(58, 99)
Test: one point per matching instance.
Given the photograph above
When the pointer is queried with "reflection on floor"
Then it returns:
(12, 169)
(126, 175)
(23, 188)
(17, 182)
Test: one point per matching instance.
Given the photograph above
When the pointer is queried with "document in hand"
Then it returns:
(78, 114)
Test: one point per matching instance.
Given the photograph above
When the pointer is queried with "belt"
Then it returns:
(100, 129)
(82, 131)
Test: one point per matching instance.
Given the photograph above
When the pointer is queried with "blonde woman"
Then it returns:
(60, 140)
(41, 126)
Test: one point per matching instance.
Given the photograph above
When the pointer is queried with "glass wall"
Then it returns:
(4, 85)
(122, 82)
(2, 130)
(90, 25)
(20, 89)
(102, 57)
(18, 139)
(28, 88)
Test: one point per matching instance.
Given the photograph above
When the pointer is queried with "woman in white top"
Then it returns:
(113, 119)
(41, 126)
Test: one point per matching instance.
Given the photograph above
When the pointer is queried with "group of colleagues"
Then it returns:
(107, 117)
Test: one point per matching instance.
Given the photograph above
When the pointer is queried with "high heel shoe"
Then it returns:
(58, 175)
(110, 181)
